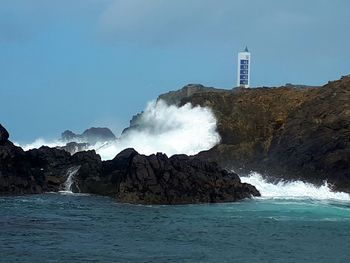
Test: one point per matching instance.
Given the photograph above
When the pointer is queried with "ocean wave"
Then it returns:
(293, 189)
(160, 128)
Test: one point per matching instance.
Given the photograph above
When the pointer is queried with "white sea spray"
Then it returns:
(293, 189)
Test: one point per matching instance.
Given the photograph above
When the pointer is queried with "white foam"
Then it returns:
(41, 142)
(168, 129)
(70, 177)
(163, 128)
(293, 189)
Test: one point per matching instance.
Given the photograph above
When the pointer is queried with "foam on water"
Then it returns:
(293, 189)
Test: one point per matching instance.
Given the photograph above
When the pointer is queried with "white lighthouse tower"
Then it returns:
(243, 69)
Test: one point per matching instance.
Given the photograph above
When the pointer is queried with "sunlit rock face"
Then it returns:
(290, 132)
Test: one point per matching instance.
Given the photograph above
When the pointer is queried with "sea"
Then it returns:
(291, 222)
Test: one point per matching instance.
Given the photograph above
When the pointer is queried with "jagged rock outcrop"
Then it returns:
(4, 135)
(31, 172)
(90, 136)
(34, 171)
(82, 142)
(157, 179)
(130, 176)
(134, 123)
(285, 132)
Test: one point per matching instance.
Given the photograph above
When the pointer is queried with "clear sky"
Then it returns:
(73, 64)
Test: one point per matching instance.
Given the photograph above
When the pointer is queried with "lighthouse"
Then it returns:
(243, 69)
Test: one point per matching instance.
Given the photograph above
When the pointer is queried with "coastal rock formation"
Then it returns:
(31, 172)
(170, 98)
(130, 176)
(91, 136)
(4, 135)
(157, 179)
(285, 133)
(82, 142)
(175, 97)
(74, 147)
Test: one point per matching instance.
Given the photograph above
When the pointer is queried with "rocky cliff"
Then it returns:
(130, 176)
(286, 132)
(175, 97)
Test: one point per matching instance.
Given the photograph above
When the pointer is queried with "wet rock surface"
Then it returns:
(130, 177)
(285, 133)
(31, 172)
(157, 179)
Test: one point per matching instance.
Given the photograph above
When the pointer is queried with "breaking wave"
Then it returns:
(160, 128)
(293, 189)
(168, 129)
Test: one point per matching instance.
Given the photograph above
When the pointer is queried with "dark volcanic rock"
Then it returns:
(4, 135)
(31, 172)
(88, 178)
(157, 179)
(180, 179)
(286, 132)
(130, 177)
(39, 170)
(34, 171)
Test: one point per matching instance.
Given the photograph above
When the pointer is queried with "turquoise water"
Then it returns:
(83, 228)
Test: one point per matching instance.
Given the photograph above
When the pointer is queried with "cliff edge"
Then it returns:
(285, 132)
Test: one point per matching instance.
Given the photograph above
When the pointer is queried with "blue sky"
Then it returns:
(73, 64)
